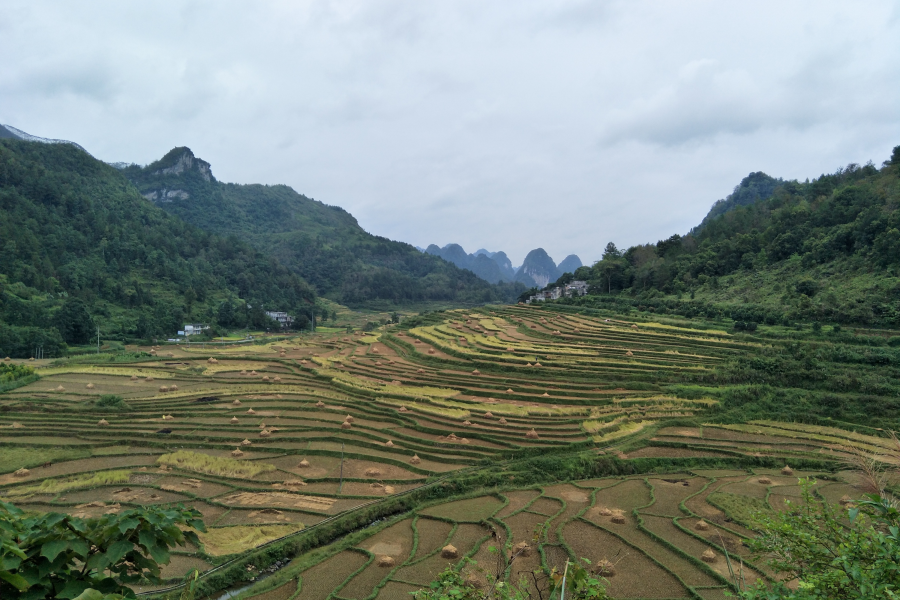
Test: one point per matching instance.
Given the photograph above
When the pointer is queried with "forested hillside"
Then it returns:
(324, 244)
(79, 246)
(825, 250)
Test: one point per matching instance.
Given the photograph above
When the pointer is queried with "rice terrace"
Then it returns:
(361, 465)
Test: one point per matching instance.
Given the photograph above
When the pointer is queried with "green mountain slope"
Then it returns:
(824, 250)
(324, 244)
(79, 244)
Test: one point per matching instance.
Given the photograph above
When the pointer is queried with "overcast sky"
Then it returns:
(505, 125)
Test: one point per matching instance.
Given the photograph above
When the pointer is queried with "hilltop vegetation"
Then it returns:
(80, 247)
(826, 250)
(323, 244)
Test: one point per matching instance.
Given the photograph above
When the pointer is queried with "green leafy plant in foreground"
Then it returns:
(53, 555)
(831, 559)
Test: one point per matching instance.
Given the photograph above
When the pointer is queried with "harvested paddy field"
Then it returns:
(407, 450)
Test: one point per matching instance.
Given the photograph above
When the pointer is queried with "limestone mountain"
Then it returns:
(489, 266)
(322, 243)
(538, 269)
(569, 264)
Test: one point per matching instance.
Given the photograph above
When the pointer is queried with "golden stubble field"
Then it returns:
(271, 439)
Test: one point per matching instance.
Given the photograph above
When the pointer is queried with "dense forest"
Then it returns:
(323, 244)
(825, 250)
(80, 248)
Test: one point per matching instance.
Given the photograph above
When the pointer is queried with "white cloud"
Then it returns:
(501, 125)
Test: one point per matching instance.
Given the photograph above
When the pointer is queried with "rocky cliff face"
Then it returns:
(186, 161)
(538, 269)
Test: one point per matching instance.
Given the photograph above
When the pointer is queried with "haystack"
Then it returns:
(90, 386)
(372, 472)
(708, 556)
(276, 379)
(234, 421)
(149, 379)
(389, 444)
(134, 377)
(102, 422)
(237, 452)
(528, 365)
(265, 378)
(546, 395)
(403, 409)
(449, 551)
(431, 351)
(629, 353)
(605, 568)
(618, 517)
(787, 471)
(604, 512)
(634, 326)
(537, 364)
(60, 388)
(173, 388)
(764, 480)
(532, 435)
(163, 388)
(467, 423)
(502, 421)
(476, 372)
(303, 464)
(211, 360)
(320, 404)
(415, 460)
(522, 549)
(346, 425)
(701, 525)
(243, 371)
(22, 473)
(386, 562)
(7, 359)
(236, 403)
(348, 419)
(509, 391)
(488, 415)
(389, 489)
(262, 425)
(246, 443)
(253, 373)
(250, 411)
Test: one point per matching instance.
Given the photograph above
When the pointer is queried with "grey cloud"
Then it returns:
(561, 123)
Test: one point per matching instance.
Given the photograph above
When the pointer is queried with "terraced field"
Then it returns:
(403, 444)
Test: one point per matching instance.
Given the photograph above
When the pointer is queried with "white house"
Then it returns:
(284, 319)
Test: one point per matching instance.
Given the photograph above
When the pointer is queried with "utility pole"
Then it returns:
(98, 339)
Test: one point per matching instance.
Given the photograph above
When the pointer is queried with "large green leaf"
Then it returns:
(118, 550)
(51, 549)
(17, 581)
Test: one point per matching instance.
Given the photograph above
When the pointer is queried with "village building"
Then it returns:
(284, 319)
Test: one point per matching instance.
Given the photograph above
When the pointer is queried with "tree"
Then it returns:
(53, 555)
(74, 322)
(829, 558)
(611, 251)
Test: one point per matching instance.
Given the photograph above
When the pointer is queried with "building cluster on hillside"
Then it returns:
(573, 288)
